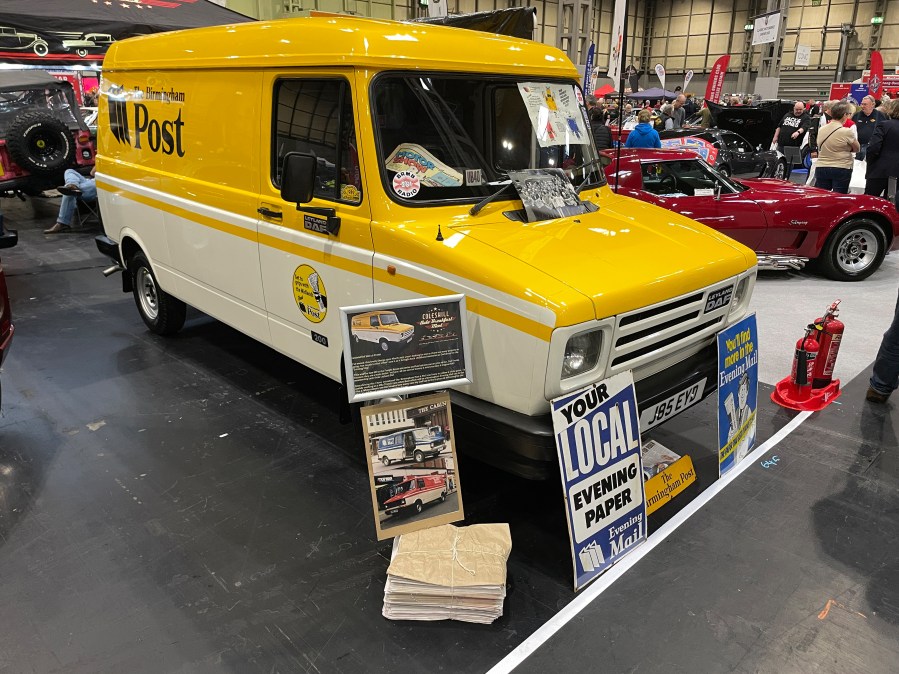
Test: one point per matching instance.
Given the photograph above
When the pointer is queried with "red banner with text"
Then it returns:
(716, 79)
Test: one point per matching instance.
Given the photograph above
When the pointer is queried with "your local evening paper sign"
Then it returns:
(598, 439)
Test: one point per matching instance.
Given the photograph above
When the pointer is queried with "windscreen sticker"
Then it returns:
(417, 161)
(406, 184)
(309, 293)
(703, 148)
(474, 177)
(555, 113)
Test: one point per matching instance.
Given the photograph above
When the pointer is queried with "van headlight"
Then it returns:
(741, 294)
(581, 353)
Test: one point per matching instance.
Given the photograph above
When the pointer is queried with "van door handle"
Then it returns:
(267, 213)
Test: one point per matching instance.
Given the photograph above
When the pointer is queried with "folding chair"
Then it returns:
(92, 214)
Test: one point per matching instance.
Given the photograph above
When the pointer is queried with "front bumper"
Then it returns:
(525, 445)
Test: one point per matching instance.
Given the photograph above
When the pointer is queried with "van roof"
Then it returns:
(375, 313)
(342, 40)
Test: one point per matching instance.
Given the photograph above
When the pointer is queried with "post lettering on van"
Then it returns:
(151, 131)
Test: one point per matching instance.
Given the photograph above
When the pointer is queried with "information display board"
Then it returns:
(405, 347)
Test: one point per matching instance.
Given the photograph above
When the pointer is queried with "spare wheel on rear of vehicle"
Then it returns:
(41, 144)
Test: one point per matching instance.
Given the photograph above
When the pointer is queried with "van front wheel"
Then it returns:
(385, 345)
(162, 313)
(418, 507)
(419, 456)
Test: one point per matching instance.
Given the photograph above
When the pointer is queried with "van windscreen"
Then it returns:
(450, 137)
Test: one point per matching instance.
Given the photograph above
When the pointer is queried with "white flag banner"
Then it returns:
(660, 71)
(687, 78)
(617, 42)
(436, 8)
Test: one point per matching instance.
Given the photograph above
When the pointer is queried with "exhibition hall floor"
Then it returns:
(193, 504)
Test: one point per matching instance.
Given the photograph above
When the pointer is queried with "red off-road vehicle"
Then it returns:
(42, 133)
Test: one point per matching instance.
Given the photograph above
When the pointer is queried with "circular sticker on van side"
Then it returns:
(309, 293)
(406, 184)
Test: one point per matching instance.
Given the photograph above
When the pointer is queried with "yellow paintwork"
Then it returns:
(603, 256)
(199, 104)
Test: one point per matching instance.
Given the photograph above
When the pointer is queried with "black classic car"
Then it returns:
(728, 152)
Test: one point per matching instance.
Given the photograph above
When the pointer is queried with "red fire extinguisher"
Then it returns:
(804, 361)
(831, 334)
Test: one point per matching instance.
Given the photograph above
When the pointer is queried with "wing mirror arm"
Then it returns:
(718, 192)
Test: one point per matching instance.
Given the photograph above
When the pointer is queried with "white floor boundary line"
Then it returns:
(554, 624)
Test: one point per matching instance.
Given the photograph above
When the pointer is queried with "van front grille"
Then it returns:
(644, 336)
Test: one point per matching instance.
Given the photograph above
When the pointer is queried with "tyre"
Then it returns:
(419, 456)
(385, 345)
(724, 169)
(443, 497)
(41, 144)
(385, 460)
(162, 313)
(40, 48)
(418, 507)
(355, 339)
(780, 170)
(81, 52)
(853, 251)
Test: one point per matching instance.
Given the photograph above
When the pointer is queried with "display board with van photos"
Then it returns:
(411, 458)
(405, 347)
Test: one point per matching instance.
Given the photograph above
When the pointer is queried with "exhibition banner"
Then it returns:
(857, 92)
(803, 55)
(411, 459)
(617, 42)
(598, 441)
(660, 73)
(716, 79)
(738, 385)
(765, 28)
(875, 80)
(588, 70)
(411, 346)
(687, 78)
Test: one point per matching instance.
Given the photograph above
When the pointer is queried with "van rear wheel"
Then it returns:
(418, 507)
(419, 456)
(385, 460)
(162, 313)
(385, 345)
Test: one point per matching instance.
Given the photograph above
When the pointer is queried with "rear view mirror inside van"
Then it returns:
(298, 177)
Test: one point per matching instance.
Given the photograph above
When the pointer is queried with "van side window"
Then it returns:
(316, 117)
(374, 322)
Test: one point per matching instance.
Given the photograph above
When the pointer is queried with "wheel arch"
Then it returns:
(879, 219)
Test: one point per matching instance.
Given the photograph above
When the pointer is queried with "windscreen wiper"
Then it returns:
(486, 200)
(590, 164)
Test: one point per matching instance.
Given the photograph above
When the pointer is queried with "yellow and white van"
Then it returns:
(269, 173)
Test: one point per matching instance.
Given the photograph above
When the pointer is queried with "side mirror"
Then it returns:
(298, 185)
(298, 177)
(718, 191)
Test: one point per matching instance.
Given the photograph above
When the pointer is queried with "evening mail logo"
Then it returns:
(118, 121)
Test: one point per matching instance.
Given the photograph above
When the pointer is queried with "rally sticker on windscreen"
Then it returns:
(417, 161)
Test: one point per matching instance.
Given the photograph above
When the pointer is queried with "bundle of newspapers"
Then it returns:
(449, 573)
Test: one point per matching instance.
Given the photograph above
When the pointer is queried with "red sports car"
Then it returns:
(847, 235)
